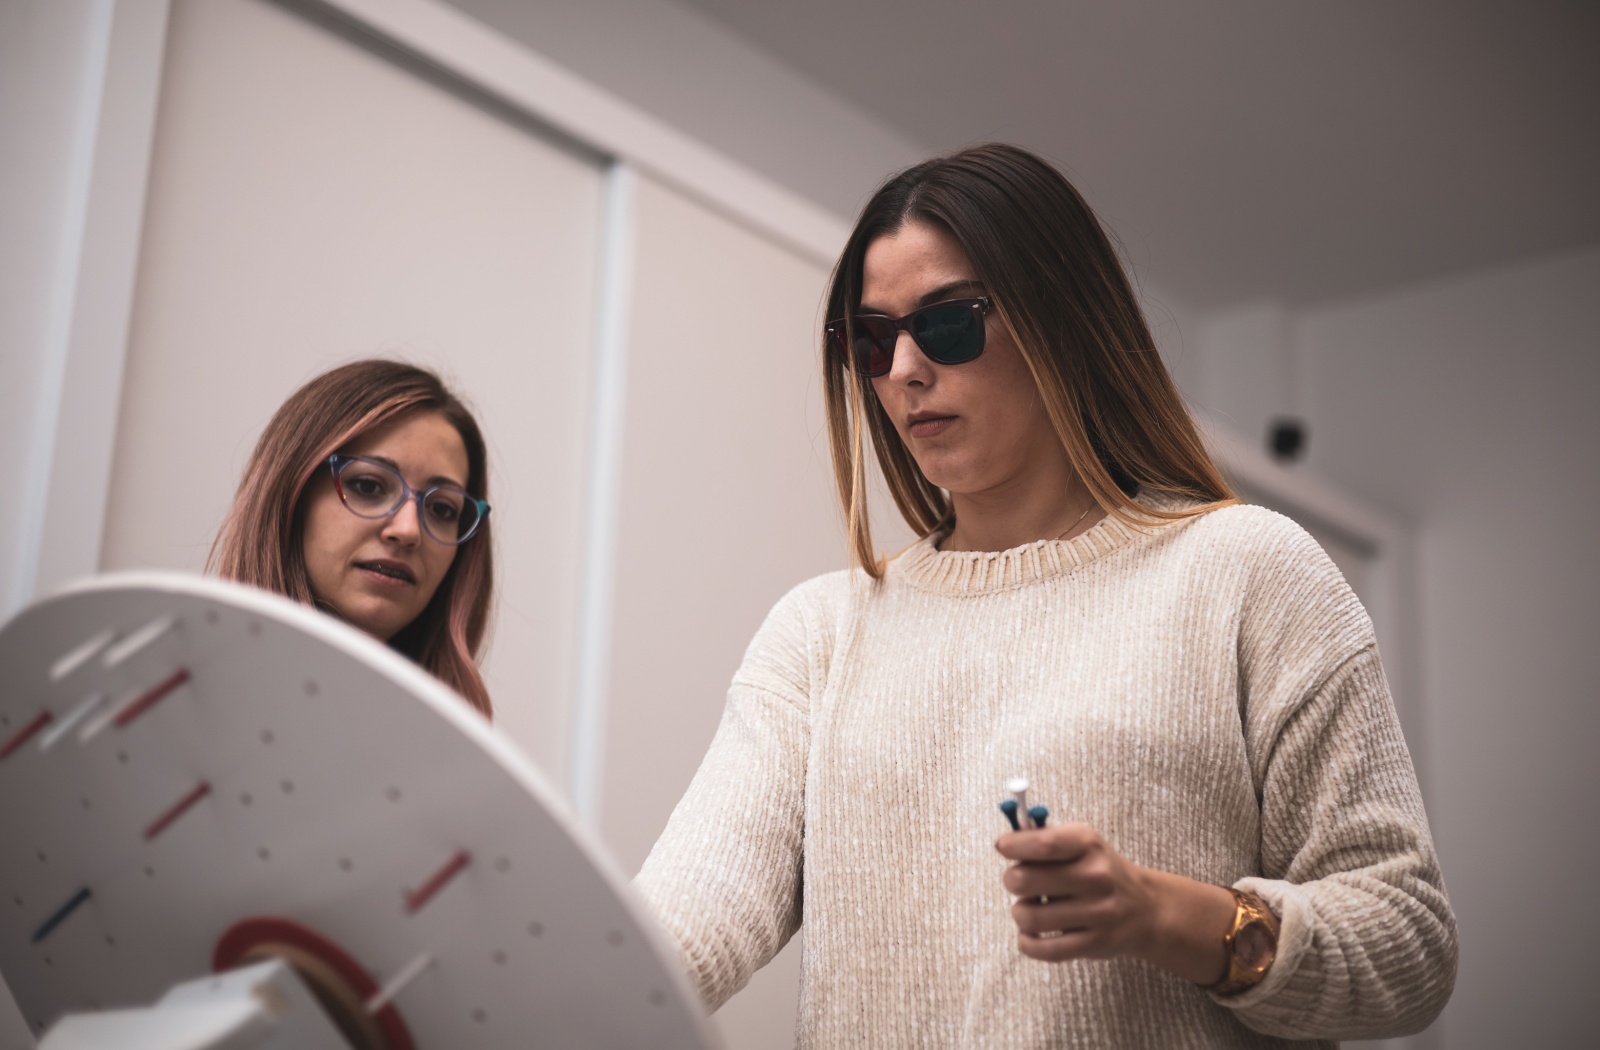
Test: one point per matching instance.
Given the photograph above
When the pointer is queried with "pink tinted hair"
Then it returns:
(261, 540)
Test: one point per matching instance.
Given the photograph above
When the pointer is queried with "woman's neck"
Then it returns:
(1003, 519)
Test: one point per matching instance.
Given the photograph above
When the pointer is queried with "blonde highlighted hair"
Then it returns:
(1060, 290)
(261, 542)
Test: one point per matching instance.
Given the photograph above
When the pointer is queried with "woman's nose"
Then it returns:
(404, 525)
(908, 365)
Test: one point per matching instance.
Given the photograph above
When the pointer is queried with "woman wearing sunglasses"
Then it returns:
(365, 497)
(1235, 853)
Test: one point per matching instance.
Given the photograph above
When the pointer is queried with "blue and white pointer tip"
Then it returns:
(1017, 788)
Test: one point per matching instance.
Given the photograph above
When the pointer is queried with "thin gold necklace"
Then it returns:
(1063, 533)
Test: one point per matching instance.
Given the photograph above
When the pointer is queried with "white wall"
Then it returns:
(1469, 406)
(1244, 377)
(1466, 408)
(50, 70)
(677, 64)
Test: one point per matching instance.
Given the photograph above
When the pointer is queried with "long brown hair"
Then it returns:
(1060, 290)
(261, 540)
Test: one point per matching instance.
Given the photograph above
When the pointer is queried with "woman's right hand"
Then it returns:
(1078, 898)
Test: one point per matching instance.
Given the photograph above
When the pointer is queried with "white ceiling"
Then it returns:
(1246, 149)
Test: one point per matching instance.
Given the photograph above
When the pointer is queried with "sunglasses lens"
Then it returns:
(872, 349)
(949, 333)
(875, 339)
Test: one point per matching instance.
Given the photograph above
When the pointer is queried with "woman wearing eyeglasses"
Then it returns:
(365, 497)
(1236, 853)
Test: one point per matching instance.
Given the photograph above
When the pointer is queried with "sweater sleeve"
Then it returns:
(1368, 941)
(724, 877)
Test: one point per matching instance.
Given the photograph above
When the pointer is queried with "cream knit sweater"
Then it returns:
(1206, 694)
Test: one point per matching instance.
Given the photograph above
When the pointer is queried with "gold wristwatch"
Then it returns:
(1251, 943)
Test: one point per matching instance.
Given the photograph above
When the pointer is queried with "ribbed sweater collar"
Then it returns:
(959, 573)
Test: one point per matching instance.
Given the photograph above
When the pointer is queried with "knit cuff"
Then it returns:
(1289, 903)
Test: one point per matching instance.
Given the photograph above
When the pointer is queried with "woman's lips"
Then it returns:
(392, 575)
(925, 428)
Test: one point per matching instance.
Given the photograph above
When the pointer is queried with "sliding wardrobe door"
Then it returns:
(316, 199)
(726, 499)
(726, 502)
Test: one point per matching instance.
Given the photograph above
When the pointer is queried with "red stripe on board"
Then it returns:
(152, 696)
(179, 808)
(424, 893)
(21, 736)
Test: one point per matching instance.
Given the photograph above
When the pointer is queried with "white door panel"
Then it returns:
(311, 202)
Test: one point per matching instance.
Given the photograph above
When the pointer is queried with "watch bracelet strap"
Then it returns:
(1248, 908)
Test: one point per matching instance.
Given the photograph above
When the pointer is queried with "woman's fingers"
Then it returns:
(1089, 874)
(1058, 842)
(1057, 916)
(1077, 944)
(1071, 928)
(1089, 877)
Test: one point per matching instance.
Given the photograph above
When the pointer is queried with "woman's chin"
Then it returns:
(951, 477)
(941, 468)
(382, 623)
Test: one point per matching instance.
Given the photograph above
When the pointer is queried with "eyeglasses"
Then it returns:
(949, 333)
(370, 489)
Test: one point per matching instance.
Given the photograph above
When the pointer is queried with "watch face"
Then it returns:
(1255, 946)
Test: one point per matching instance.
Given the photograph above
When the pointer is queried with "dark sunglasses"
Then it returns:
(948, 333)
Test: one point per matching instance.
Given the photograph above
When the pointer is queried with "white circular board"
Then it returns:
(329, 777)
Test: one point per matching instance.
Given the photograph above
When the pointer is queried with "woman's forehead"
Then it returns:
(902, 266)
(422, 443)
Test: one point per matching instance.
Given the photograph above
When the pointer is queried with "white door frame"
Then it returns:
(69, 461)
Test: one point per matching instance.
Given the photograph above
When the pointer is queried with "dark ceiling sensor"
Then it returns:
(1286, 440)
